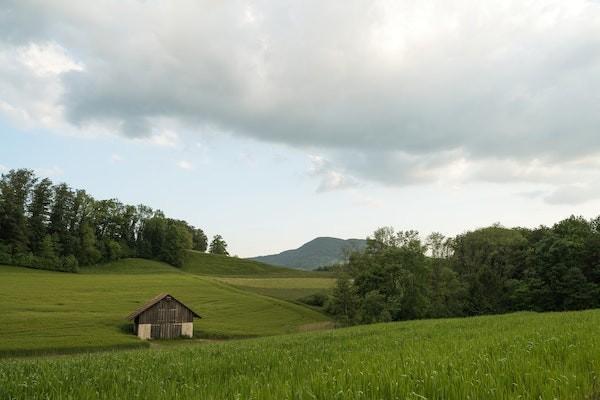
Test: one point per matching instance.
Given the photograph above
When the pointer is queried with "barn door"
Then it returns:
(155, 331)
(165, 331)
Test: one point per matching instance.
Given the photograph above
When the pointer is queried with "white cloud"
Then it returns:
(115, 158)
(330, 178)
(3, 169)
(399, 93)
(183, 164)
(166, 138)
(47, 59)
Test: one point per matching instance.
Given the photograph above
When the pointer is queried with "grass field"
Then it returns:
(518, 356)
(291, 289)
(51, 312)
(215, 265)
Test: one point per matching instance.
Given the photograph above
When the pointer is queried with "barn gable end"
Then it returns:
(163, 317)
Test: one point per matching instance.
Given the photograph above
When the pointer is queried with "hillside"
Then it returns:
(45, 311)
(319, 252)
(515, 356)
(217, 265)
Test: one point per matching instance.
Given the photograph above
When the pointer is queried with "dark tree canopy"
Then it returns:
(55, 227)
(486, 271)
(199, 240)
(218, 246)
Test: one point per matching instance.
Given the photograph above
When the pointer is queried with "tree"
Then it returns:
(199, 240)
(178, 239)
(88, 253)
(60, 218)
(48, 259)
(343, 303)
(218, 246)
(39, 211)
(392, 277)
(485, 260)
(15, 188)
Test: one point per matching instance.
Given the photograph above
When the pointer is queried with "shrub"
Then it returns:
(316, 300)
(23, 260)
(5, 257)
(69, 264)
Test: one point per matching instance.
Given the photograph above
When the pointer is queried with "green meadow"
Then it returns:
(218, 265)
(282, 349)
(292, 289)
(53, 312)
(516, 356)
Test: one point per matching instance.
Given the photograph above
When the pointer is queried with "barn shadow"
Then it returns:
(126, 328)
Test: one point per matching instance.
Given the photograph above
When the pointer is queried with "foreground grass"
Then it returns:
(525, 355)
(52, 312)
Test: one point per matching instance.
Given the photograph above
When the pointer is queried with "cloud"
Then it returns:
(573, 194)
(115, 158)
(185, 165)
(399, 93)
(330, 178)
(47, 59)
(165, 138)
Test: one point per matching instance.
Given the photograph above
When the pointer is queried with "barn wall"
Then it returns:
(166, 311)
(143, 331)
(187, 329)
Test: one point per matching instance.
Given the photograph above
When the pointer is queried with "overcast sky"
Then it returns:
(275, 122)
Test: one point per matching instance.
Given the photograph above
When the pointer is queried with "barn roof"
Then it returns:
(155, 300)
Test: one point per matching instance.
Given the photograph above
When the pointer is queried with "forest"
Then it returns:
(52, 226)
(486, 271)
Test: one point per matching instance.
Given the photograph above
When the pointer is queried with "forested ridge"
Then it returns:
(487, 271)
(55, 227)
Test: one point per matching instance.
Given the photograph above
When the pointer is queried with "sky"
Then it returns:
(272, 123)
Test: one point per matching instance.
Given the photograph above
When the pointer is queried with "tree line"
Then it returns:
(487, 271)
(52, 226)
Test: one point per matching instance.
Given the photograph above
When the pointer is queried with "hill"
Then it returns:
(319, 252)
(217, 265)
(515, 356)
(53, 312)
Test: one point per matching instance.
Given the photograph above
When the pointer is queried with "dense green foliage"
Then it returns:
(319, 253)
(57, 228)
(487, 271)
(516, 356)
(218, 246)
(51, 312)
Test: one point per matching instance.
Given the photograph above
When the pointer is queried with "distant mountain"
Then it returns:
(319, 252)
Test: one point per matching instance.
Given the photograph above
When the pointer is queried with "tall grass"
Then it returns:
(518, 356)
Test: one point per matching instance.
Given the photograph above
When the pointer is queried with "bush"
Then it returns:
(49, 263)
(23, 260)
(5, 257)
(69, 264)
(316, 300)
(112, 250)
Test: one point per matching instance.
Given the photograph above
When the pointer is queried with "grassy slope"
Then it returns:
(257, 277)
(291, 289)
(523, 355)
(215, 265)
(54, 312)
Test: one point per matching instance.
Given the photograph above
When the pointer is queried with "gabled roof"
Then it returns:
(155, 300)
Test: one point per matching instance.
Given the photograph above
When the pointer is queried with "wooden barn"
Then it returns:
(163, 317)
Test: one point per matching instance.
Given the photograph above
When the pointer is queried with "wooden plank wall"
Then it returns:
(166, 318)
(166, 311)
